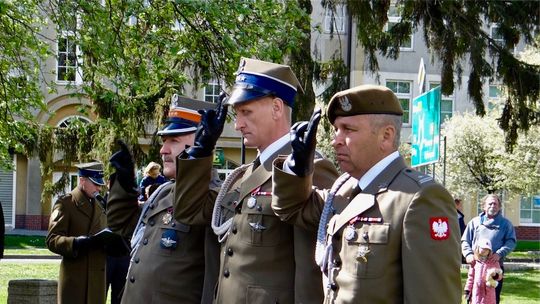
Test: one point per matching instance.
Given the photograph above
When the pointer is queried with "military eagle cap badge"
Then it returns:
(345, 103)
(440, 230)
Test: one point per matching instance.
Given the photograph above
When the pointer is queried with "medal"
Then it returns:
(252, 201)
(167, 218)
(350, 233)
(361, 254)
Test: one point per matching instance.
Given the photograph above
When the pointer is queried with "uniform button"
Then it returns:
(151, 222)
(337, 263)
(173, 224)
(333, 287)
(145, 242)
(132, 279)
(259, 208)
(229, 251)
(234, 230)
(226, 273)
(137, 260)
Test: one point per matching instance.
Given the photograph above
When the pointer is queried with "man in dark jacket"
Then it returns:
(75, 217)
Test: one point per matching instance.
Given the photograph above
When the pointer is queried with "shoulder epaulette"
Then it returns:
(418, 177)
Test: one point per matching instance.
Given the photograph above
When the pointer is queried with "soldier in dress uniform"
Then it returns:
(387, 233)
(168, 255)
(263, 260)
(77, 216)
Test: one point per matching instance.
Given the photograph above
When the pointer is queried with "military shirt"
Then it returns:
(387, 243)
(258, 260)
(169, 264)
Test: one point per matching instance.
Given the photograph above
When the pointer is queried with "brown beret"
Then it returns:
(363, 99)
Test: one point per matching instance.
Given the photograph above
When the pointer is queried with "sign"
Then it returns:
(219, 157)
(425, 128)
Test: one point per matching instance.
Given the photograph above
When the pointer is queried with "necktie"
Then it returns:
(256, 163)
(355, 191)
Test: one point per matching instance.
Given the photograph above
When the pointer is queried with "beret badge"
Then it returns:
(345, 103)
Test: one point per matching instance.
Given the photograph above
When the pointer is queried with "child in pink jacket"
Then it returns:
(483, 275)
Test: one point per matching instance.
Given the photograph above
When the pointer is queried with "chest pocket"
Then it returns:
(259, 225)
(170, 237)
(367, 237)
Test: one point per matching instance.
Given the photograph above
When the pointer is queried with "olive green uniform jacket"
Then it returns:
(263, 260)
(392, 218)
(82, 275)
(169, 264)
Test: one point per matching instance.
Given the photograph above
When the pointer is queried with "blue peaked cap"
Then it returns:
(256, 78)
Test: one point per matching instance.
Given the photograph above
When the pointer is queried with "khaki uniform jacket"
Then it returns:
(263, 259)
(393, 218)
(82, 276)
(157, 273)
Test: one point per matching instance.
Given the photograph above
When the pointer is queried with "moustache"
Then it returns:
(167, 158)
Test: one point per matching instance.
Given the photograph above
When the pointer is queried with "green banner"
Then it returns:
(425, 128)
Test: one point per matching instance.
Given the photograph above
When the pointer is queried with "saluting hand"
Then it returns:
(122, 161)
(303, 141)
(210, 129)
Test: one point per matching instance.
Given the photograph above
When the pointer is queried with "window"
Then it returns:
(394, 17)
(402, 89)
(334, 20)
(67, 59)
(495, 34)
(67, 65)
(69, 120)
(529, 209)
(494, 96)
(447, 103)
(211, 91)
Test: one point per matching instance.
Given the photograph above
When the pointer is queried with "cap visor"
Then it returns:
(239, 95)
(177, 129)
(97, 181)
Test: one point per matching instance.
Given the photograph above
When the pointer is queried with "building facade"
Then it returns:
(333, 36)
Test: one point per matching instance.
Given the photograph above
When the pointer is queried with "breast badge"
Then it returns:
(167, 217)
(169, 240)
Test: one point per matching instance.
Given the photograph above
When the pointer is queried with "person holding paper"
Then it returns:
(76, 217)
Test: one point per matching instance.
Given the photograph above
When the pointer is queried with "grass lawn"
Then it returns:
(16, 270)
(520, 287)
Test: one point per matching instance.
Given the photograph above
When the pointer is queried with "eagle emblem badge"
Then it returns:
(440, 230)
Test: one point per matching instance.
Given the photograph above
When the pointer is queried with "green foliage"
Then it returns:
(138, 53)
(20, 95)
(476, 157)
(455, 32)
(134, 56)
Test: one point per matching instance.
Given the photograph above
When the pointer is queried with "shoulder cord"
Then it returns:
(221, 229)
(323, 249)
